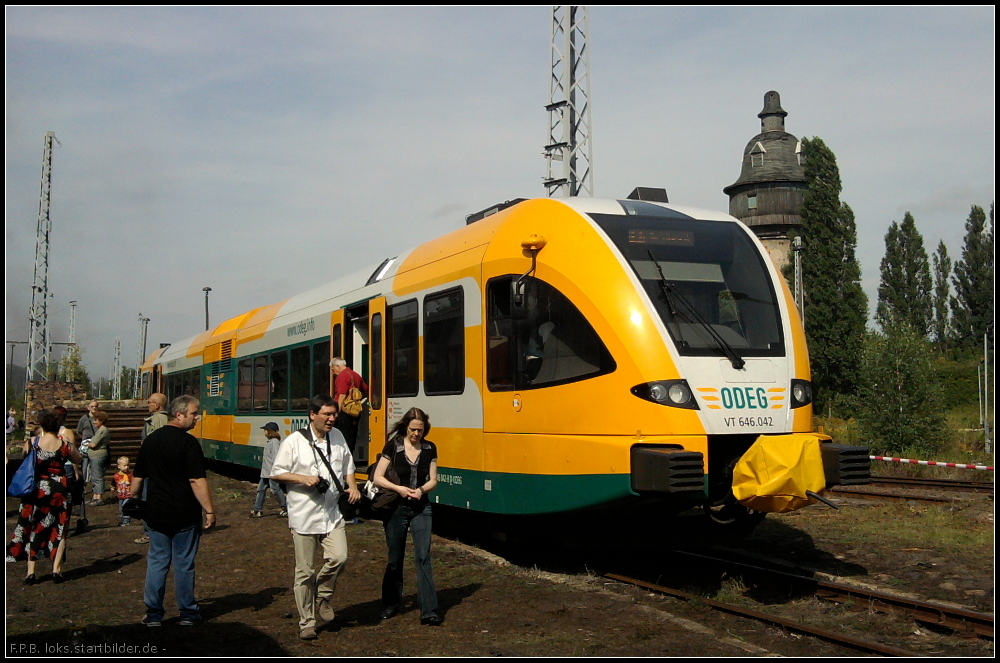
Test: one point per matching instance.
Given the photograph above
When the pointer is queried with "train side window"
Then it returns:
(190, 382)
(403, 367)
(337, 335)
(279, 381)
(554, 345)
(444, 343)
(299, 381)
(244, 388)
(375, 388)
(260, 384)
(499, 336)
(321, 368)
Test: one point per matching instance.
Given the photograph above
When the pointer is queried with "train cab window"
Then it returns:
(298, 377)
(552, 344)
(444, 343)
(260, 384)
(244, 385)
(403, 366)
(707, 280)
(279, 381)
(321, 368)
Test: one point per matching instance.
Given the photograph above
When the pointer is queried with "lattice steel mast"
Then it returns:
(569, 106)
(116, 372)
(136, 386)
(38, 317)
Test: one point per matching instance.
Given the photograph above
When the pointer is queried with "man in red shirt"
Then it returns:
(345, 379)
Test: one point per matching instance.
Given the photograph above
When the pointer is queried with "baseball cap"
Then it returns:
(270, 426)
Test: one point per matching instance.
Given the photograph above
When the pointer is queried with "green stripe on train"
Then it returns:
(241, 454)
(492, 492)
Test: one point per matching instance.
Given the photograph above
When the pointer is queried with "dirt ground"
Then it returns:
(491, 606)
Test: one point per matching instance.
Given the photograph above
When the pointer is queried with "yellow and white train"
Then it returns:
(572, 354)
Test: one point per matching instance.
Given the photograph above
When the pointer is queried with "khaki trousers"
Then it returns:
(311, 585)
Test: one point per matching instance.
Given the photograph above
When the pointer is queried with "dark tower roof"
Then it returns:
(773, 154)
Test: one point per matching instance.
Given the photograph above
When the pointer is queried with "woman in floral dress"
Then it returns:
(44, 515)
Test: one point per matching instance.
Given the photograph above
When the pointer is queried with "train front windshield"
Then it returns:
(707, 280)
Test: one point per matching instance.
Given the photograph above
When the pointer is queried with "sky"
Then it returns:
(264, 151)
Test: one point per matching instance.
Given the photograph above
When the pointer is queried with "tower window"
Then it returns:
(752, 201)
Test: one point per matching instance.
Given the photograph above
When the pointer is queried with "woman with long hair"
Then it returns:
(44, 514)
(412, 459)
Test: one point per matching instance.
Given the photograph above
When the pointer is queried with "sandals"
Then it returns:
(95, 503)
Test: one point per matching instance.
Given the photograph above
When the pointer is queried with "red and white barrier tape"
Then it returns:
(932, 462)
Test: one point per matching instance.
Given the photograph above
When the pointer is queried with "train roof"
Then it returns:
(258, 320)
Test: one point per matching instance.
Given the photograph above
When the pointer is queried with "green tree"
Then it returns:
(942, 270)
(71, 367)
(972, 305)
(898, 409)
(905, 289)
(836, 308)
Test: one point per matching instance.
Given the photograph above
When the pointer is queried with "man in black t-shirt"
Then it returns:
(172, 465)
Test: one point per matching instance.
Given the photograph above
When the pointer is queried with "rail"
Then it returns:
(856, 644)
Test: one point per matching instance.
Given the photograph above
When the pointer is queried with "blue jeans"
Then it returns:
(262, 493)
(122, 518)
(418, 520)
(180, 549)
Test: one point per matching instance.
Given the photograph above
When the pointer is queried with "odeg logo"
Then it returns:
(744, 398)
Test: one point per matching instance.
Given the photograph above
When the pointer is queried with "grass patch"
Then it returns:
(900, 524)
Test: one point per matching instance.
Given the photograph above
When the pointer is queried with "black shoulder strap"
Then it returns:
(333, 475)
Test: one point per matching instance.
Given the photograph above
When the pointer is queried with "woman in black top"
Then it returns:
(414, 460)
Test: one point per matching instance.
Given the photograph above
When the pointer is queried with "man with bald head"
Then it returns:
(157, 416)
(87, 427)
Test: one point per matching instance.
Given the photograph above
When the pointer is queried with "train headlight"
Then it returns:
(679, 393)
(672, 393)
(801, 393)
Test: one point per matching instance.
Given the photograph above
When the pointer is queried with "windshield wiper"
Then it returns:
(670, 292)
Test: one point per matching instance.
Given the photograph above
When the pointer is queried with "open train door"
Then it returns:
(376, 377)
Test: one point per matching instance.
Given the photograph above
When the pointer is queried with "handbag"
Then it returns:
(25, 480)
(383, 500)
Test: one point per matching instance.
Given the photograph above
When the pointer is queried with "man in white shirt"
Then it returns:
(313, 514)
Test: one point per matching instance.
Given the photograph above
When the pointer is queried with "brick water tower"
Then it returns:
(770, 190)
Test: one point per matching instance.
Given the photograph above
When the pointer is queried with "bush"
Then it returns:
(898, 406)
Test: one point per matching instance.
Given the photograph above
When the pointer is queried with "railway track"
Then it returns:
(938, 616)
(870, 491)
(960, 620)
(936, 484)
(856, 644)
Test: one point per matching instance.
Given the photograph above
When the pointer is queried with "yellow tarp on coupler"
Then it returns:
(775, 473)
